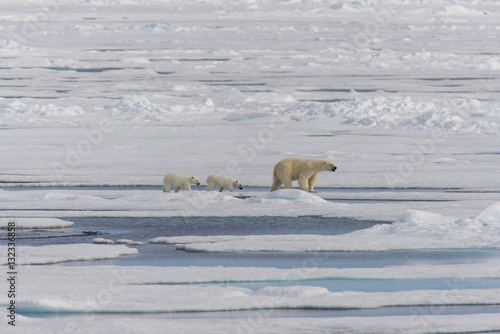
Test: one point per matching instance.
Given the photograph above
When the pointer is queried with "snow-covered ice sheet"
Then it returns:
(367, 204)
(412, 100)
(414, 324)
(32, 223)
(380, 156)
(90, 291)
(168, 299)
(151, 275)
(82, 289)
(73, 252)
(129, 242)
(123, 92)
(102, 241)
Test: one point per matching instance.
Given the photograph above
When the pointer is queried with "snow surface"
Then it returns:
(102, 241)
(74, 252)
(162, 89)
(403, 97)
(167, 299)
(132, 202)
(171, 289)
(389, 324)
(115, 284)
(32, 223)
(129, 242)
(490, 214)
(291, 194)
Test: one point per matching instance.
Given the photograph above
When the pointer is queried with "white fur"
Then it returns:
(216, 180)
(304, 170)
(178, 181)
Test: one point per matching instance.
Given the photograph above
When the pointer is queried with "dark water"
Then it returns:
(144, 229)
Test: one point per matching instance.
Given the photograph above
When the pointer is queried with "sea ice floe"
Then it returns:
(102, 241)
(66, 253)
(129, 242)
(408, 324)
(178, 298)
(34, 222)
(412, 230)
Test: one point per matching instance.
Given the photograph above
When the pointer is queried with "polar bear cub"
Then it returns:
(178, 181)
(222, 181)
(304, 170)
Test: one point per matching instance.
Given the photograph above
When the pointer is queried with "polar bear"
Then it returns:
(222, 181)
(179, 181)
(304, 170)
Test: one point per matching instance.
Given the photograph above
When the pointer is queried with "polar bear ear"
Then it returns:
(324, 162)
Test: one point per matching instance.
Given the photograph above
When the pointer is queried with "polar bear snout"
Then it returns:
(332, 166)
(194, 180)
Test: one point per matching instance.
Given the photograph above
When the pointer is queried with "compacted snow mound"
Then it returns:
(294, 194)
(491, 214)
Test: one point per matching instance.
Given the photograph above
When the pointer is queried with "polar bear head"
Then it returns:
(237, 184)
(194, 180)
(328, 166)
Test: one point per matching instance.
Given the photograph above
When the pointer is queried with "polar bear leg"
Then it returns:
(221, 189)
(166, 190)
(177, 189)
(187, 186)
(276, 183)
(287, 184)
(303, 182)
(230, 188)
(210, 187)
(312, 180)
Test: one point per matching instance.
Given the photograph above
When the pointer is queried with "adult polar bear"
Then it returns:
(304, 170)
(178, 181)
(216, 180)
